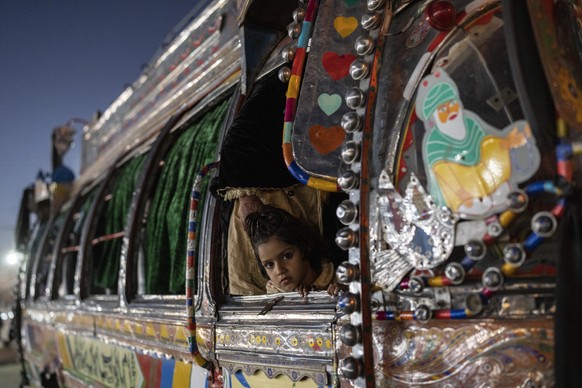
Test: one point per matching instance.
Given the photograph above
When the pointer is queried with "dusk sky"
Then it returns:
(63, 59)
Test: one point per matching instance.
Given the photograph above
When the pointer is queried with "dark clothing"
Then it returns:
(251, 155)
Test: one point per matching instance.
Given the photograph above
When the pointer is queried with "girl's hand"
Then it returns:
(304, 290)
(333, 289)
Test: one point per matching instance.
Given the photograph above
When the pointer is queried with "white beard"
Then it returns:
(454, 128)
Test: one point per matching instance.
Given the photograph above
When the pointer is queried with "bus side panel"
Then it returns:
(501, 352)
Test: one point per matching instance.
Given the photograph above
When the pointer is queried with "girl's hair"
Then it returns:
(270, 221)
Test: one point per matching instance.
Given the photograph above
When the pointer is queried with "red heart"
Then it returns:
(326, 139)
(338, 66)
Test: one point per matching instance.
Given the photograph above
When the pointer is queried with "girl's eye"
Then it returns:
(268, 265)
(288, 256)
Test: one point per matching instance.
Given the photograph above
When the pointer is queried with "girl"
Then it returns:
(289, 253)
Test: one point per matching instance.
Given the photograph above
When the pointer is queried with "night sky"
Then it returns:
(63, 59)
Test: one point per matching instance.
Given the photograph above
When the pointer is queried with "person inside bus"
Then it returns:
(253, 172)
(289, 253)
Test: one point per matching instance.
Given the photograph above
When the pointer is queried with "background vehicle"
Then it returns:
(439, 293)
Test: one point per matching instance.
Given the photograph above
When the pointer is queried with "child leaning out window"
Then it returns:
(289, 253)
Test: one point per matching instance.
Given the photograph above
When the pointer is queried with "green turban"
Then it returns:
(437, 95)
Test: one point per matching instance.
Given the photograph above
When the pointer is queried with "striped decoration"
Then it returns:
(291, 105)
(191, 263)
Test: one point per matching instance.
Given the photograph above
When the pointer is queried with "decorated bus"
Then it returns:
(431, 146)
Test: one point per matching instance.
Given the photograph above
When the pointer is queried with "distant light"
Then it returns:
(13, 258)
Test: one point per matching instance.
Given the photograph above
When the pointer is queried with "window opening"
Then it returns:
(46, 257)
(111, 227)
(165, 232)
(70, 250)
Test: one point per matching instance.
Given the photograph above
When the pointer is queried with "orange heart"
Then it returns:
(326, 139)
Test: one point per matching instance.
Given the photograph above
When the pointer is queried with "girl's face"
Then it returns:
(284, 264)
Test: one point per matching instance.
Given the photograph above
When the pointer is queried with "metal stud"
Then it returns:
(514, 254)
(422, 313)
(350, 152)
(348, 302)
(350, 335)
(494, 229)
(348, 180)
(475, 249)
(544, 224)
(374, 5)
(299, 15)
(518, 201)
(347, 272)
(347, 212)
(284, 74)
(294, 30)
(371, 21)
(492, 278)
(288, 53)
(364, 45)
(416, 285)
(351, 122)
(355, 98)
(474, 304)
(455, 273)
(346, 238)
(351, 367)
(359, 69)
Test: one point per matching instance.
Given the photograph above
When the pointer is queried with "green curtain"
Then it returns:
(106, 254)
(167, 221)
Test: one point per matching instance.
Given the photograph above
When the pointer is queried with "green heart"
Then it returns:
(329, 103)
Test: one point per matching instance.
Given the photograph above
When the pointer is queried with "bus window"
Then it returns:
(45, 258)
(69, 250)
(253, 172)
(103, 265)
(161, 262)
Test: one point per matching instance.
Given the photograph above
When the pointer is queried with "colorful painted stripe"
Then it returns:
(191, 256)
(291, 104)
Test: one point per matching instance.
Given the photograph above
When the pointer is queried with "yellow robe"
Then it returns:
(460, 185)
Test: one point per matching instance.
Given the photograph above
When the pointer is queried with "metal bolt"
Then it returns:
(348, 180)
(351, 122)
(350, 152)
(422, 313)
(544, 224)
(359, 69)
(514, 254)
(347, 272)
(347, 212)
(475, 249)
(364, 45)
(294, 30)
(492, 278)
(355, 98)
(284, 74)
(371, 21)
(455, 273)
(346, 238)
(348, 302)
(350, 335)
(351, 367)
(518, 201)
(299, 15)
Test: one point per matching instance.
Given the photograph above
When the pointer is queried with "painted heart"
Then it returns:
(345, 26)
(337, 66)
(329, 103)
(326, 139)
